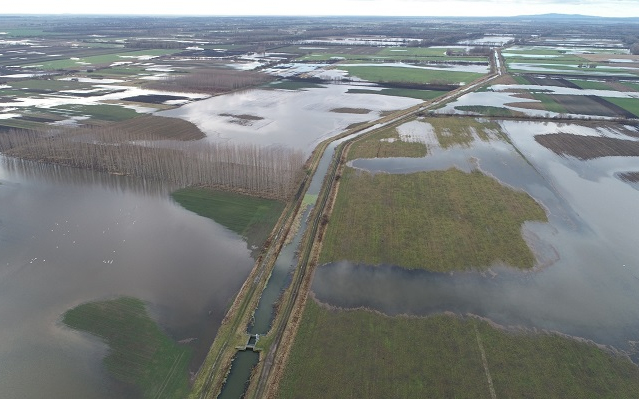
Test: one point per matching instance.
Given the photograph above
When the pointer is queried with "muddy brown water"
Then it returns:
(586, 282)
(69, 236)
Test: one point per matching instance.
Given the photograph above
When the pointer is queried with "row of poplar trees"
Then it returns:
(270, 172)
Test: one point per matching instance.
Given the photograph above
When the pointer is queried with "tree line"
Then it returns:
(271, 172)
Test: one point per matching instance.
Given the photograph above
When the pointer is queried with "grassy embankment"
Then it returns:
(362, 354)
(251, 217)
(140, 353)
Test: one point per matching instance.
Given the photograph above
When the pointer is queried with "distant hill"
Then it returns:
(574, 17)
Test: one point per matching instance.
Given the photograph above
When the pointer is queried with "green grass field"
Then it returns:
(549, 103)
(439, 221)
(362, 354)
(48, 85)
(105, 112)
(252, 218)
(409, 75)
(378, 145)
(591, 85)
(629, 104)
(140, 353)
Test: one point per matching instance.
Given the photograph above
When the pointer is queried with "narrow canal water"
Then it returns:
(285, 264)
(69, 236)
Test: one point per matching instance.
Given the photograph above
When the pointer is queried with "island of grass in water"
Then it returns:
(439, 221)
(140, 354)
(251, 217)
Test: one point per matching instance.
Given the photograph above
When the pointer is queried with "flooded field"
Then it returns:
(299, 119)
(69, 236)
(586, 275)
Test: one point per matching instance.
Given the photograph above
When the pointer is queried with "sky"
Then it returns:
(607, 8)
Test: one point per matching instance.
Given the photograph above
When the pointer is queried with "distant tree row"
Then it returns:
(271, 172)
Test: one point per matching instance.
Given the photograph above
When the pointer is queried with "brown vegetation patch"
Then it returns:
(631, 177)
(526, 105)
(620, 87)
(147, 127)
(346, 110)
(247, 117)
(605, 57)
(212, 81)
(590, 105)
(556, 82)
(243, 119)
(588, 147)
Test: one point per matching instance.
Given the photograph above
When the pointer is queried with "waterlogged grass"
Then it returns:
(140, 353)
(489, 110)
(386, 144)
(439, 221)
(461, 131)
(410, 93)
(362, 354)
(251, 217)
(409, 75)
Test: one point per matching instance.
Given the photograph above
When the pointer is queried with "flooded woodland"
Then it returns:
(256, 207)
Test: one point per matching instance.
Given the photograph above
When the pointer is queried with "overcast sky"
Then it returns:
(609, 8)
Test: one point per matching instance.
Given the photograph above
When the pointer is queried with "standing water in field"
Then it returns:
(586, 282)
(295, 118)
(69, 236)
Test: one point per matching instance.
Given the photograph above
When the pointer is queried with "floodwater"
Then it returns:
(441, 67)
(505, 96)
(300, 119)
(586, 282)
(69, 236)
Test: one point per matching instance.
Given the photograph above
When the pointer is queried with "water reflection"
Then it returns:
(69, 236)
(586, 282)
(299, 119)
